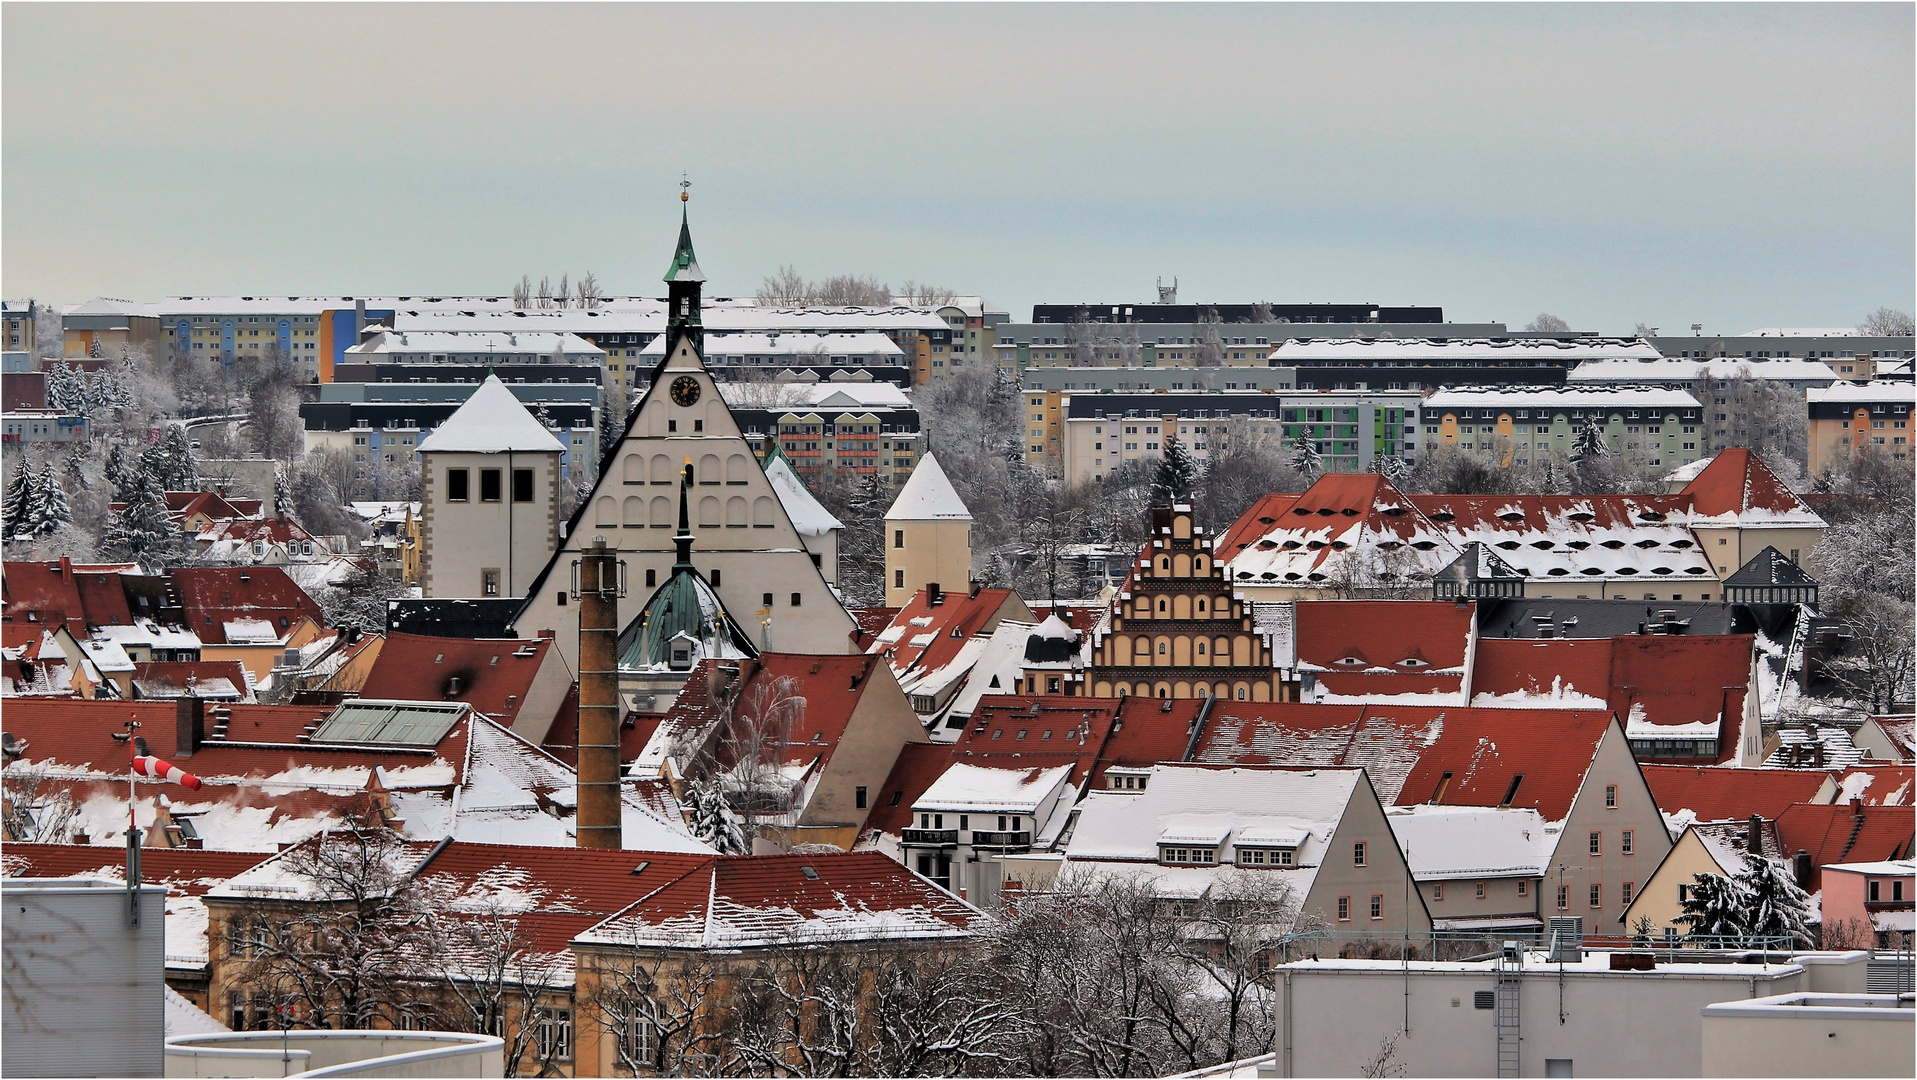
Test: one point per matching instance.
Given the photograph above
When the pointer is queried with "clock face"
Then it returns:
(685, 390)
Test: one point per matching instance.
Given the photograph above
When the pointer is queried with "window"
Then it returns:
(489, 489)
(1610, 796)
(522, 485)
(1344, 909)
(898, 579)
(1597, 895)
(1564, 897)
(1524, 887)
(1377, 905)
(1437, 893)
(1624, 843)
(639, 1038)
(457, 489)
(898, 538)
(1480, 890)
(795, 599)
(489, 582)
(555, 1034)
(1358, 853)
(1597, 843)
(1624, 893)
(858, 797)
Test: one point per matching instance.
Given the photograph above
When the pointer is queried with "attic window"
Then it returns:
(441, 657)
(1581, 515)
(641, 868)
(1511, 515)
(1512, 792)
(1443, 515)
(495, 661)
(810, 874)
(1349, 661)
(897, 795)
(1412, 661)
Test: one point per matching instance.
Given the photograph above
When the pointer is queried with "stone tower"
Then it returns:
(928, 536)
(489, 498)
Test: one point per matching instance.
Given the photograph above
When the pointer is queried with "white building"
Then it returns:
(973, 814)
(475, 347)
(489, 498)
(736, 355)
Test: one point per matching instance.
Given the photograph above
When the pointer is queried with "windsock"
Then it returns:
(156, 769)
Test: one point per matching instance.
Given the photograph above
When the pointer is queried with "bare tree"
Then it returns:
(1210, 346)
(590, 294)
(522, 292)
(660, 1011)
(490, 971)
(922, 295)
(1874, 665)
(1548, 324)
(37, 810)
(1385, 1062)
(786, 288)
(1887, 322)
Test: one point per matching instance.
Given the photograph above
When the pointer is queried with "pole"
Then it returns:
(132, 831)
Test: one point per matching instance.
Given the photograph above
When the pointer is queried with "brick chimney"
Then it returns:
(598, 822)
(190, 722)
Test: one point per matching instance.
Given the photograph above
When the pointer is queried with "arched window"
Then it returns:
(737, 469)
(662, 513)
(633, 469)
(605, 511)
(1201, 646)
(736, 512)
(635, 511)
(764, 514)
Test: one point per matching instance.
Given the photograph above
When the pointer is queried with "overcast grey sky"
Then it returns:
(1735, 165)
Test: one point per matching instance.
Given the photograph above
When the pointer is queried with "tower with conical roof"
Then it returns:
(489, 498)
(750, 555)
(928, 536)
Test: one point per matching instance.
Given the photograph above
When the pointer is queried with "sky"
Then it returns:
(1736, 165)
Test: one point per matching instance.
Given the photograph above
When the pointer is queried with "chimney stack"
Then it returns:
(1801, 868)
(191, 725)
(597, 591)
(1755, 843)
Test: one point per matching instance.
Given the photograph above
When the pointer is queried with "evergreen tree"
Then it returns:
(282, 493)
(1589, 444)
(1773, 904)
(1304, 455)
(1177, 474)
(75, 465)
(1714, 907)
(66, 390)
(50, 511)
(177, 471)
(121, 470)
(22, 496)
(1391, 468)
(141, 531)
(713, 821)
(862, 543)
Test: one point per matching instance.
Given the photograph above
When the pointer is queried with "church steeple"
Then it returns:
(682, 541)
(683, 281)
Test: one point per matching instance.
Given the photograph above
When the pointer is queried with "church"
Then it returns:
(682, 446)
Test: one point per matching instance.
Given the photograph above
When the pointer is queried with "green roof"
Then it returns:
(685, 265)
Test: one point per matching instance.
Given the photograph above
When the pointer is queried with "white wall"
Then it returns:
(85, 992)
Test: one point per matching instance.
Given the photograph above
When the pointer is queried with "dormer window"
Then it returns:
(1258, 856)
(1187, 856)
(1412, 662)
(1349, 661)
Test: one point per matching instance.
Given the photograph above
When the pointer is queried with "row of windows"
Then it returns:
(1596, 892)
(459, 485)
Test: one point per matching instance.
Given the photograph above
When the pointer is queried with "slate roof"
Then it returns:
(1769, 567)
(477, 618)
(1524, 617)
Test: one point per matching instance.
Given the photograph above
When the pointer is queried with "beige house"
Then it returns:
(1714, 848)
(489, 498)
(928, 536)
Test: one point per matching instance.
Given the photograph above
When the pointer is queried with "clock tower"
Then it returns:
(683, 282)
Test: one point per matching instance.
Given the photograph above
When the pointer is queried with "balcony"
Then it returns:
(929, 837)
(1021, 838)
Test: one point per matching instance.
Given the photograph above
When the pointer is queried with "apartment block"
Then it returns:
(1845, 418)
(1518, 424)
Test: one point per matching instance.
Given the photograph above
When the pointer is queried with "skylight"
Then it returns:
(391, 723)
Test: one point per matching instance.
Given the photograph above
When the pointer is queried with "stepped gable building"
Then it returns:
(749, 551)
(1178, 629)
(489, 497)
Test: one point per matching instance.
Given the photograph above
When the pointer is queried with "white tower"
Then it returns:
(489, 498)
(928, 536)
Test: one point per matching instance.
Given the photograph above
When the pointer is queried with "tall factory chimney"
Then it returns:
(597, 586)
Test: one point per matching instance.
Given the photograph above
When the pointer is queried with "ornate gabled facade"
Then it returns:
(1178, 630)
(755, 561)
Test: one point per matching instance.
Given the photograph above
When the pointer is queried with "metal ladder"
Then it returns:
(1510, 977)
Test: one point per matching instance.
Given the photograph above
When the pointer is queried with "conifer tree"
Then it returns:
(1304, 455)
(713, 821)
(1589, 444)
(50, 511)
(22, 495)
(179, 472)
(282, 493)
(66, 389)
(1714, 907)
(120, 470)
(1177, 474)
(142, 530)
(1773, 904)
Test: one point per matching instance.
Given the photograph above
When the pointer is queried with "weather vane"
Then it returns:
(684, 195)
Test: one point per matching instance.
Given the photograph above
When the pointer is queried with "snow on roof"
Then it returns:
(1713, 793)
(1204, 804)
(1844, 393)
(249, 632)
(502, 342)
(1737, 487)
(870, 345)
(928, 496)
(1557, 397)
(492, 421)
(1443, 842)
(1885, 867)
(1688, 471)
(1675, 369)
(1546, 350)
(185, 1018)
(1802, 331)
(808, 517)
(1385, 647)
(987, 789)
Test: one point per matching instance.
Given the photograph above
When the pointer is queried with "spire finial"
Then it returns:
(684, 194)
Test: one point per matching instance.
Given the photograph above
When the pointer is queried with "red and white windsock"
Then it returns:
(156, 769)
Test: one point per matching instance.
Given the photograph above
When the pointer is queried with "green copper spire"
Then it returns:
(685, 265)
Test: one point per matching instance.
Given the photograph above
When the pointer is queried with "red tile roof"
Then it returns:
(870, 621)
(1888, 785)
(494, 674)
(919, 766)
(1485, 750)
(573, 889)
(1735, 481)
(155, 678)
(271, 530)
(967, 615)
(1277, 733)
(1147, 734)
(1004, 726)
(90, 595)
(1385, 646)
(1715, 793)
(1846, 833)
(184, 871)
(830, 687)
(1258, 519)
(214, 596)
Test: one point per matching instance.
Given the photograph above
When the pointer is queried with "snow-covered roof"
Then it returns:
(1444, 842)
(1845, 393)
(492, 421)
(508, 343)
(815, 395)
(1452, 350)
(868, 345)
(1802, 331)
(1677, 369)
(808, 517)
(1211, 805)
(977, 789)
(1688, 471)
(928, 496)
(1557, 397)
(1888, 867)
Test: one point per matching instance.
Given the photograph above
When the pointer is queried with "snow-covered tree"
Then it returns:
(22, 495)
(713, 821)
(142, 530)
(66, 389)
(1714, 907)
(282, 493)
(1548, 324)
(49, 510)
(1773, 904)
(1589, 444)
(180, 473)
(120, 471)
(1304, 456)
(1177, 473)
(1887, 322)
(1391, 467)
